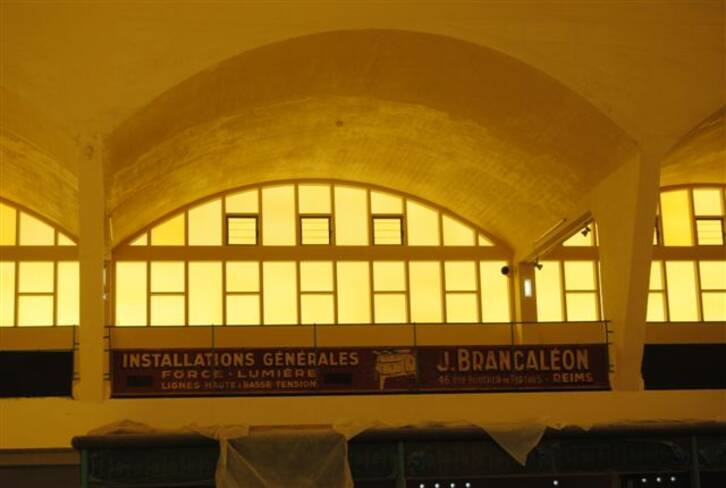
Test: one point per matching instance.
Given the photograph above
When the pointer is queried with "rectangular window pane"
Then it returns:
(709, 232)
(205, 224)
(316, 276)
(315, 230)
(7, 225)
(424, 278)
(714, 306)
(36, 277)
(278, 216)
(422, 224)
(385, 203)
(314, 199)
(64, 240)
(387, 231)
(243, 310)
(205, 293)
(68, 293)
(35, 310)
(460, 275)
(353, 280)
(279, 292)
(456, 233)
(351, 216)
(7, 294)
(167, 310)
(656, 276)
(35, 232)
(167, 276)
(142, 240)
(242, 202)
(130, 293)
(549, 292)
(682, 302)
(317, 308)
(676, 218)
(390, 308)
(495, 292)
(581, 307)
(242, 230)
(389, 276)
(169, 233)
(656, 307)
(461, 308)
(713, 275)
(579, 275)
(581, 238)
(243, 276)
(707, 202)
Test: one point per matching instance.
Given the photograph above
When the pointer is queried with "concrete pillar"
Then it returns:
(92, 245)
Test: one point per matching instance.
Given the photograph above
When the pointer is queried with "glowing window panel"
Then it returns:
(279, 285)
(385, 203)
(581, 307)
(167, 276)
(460, 275)
(64, 240)
(35, 232)
(205, 224)
(390, 308)
(351, 216)
(579, 275)
(425, 291)
(387, 231)
(278, 216)
(656, 276)
(68, 293)
(243, 310)
(317, 308)
(246, 202)
(422, 224)
(676, 218)
(707, 202)
(167, 310)
(582, 238)
(461, 308)
(36, 277)
(316, 276)
(549, 292)
(682, 300)
(714, 306)
(131, 293)
(656, 307)
(315, 230)
(205, 293)
(484, 241)
(242, 230)
(709, 231)
(713, 275)
(495, 306)
(7, 294)
(142, 240)
(35, 310)
(457, 233)
(354, 301)
(7, 225)
(169, 233)
(243, 276)
(389, 276)
(314, 199)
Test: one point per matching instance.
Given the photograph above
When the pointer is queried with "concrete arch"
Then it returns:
(487, 136)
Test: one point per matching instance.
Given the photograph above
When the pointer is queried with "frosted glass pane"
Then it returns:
(317, 309)
(707, 202)
(205, 224)
(484, 241)
(495, 292)
(279, 292)
(549, 292)
(353, 280)
(243, 310)
(457, 233)
(169, 233)
(676, 218)
(314, 199)
(35, 310)
(656, 307)
(460, 275)
(131, 293)
(7, 294)
(425, 291)
(580, 240)
(389, 276)
(386, 203)
(167, 276)
(278, 216)
(351, 216)
(243, 202)
(316, 276)
(579, 275)
(167, 310)
(581, 307)
(390, 308)
(713, 275)
(387, 231)
(68, 293)
(714, 306)
(682, 302)
(315, 230)
(35, 232)
(422, 224)
(36, 277)
(461, 308)
(142, 240)
(205, 293)
(243, 276)
(7, 225)
(64, 240)
(656, 276)
(242, 230)
(709, 232)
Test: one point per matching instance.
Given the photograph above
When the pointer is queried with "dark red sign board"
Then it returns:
(357, 370)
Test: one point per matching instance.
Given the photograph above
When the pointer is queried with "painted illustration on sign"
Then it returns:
(394, 364)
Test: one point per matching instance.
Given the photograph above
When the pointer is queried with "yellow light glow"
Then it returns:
(387, 231)
(714, 306)
(713, 275)
(243, 276)
(131, 293)
(389, 276)
(461, 308)
(676, 218)
(484, 241)
(35, 310)
(278, 216)
(682, 301)
(246, 202)
(68, 293)
(35, 232)
(169, 233)
(548, 288)
(385, 203)
(243, 310)
(460, 275)
(205, 224)
(279, 292)
(316, 276)
(315, 230)
(36, 277)
(457, 233)
(390, 308)
(205, 293)
(64, 240)
(352, 205)
(656, 276)
(707, 202)
(167, 276)
(7, 294)
(494, 292)
(656, 307)
(580, 240)
(167, 310)
(314, 199)
(142, 240)
(581, 307)
(317, 308)
(422, 224)
(7, 225)
(353, 280)
(425, 291)
(579, 275)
